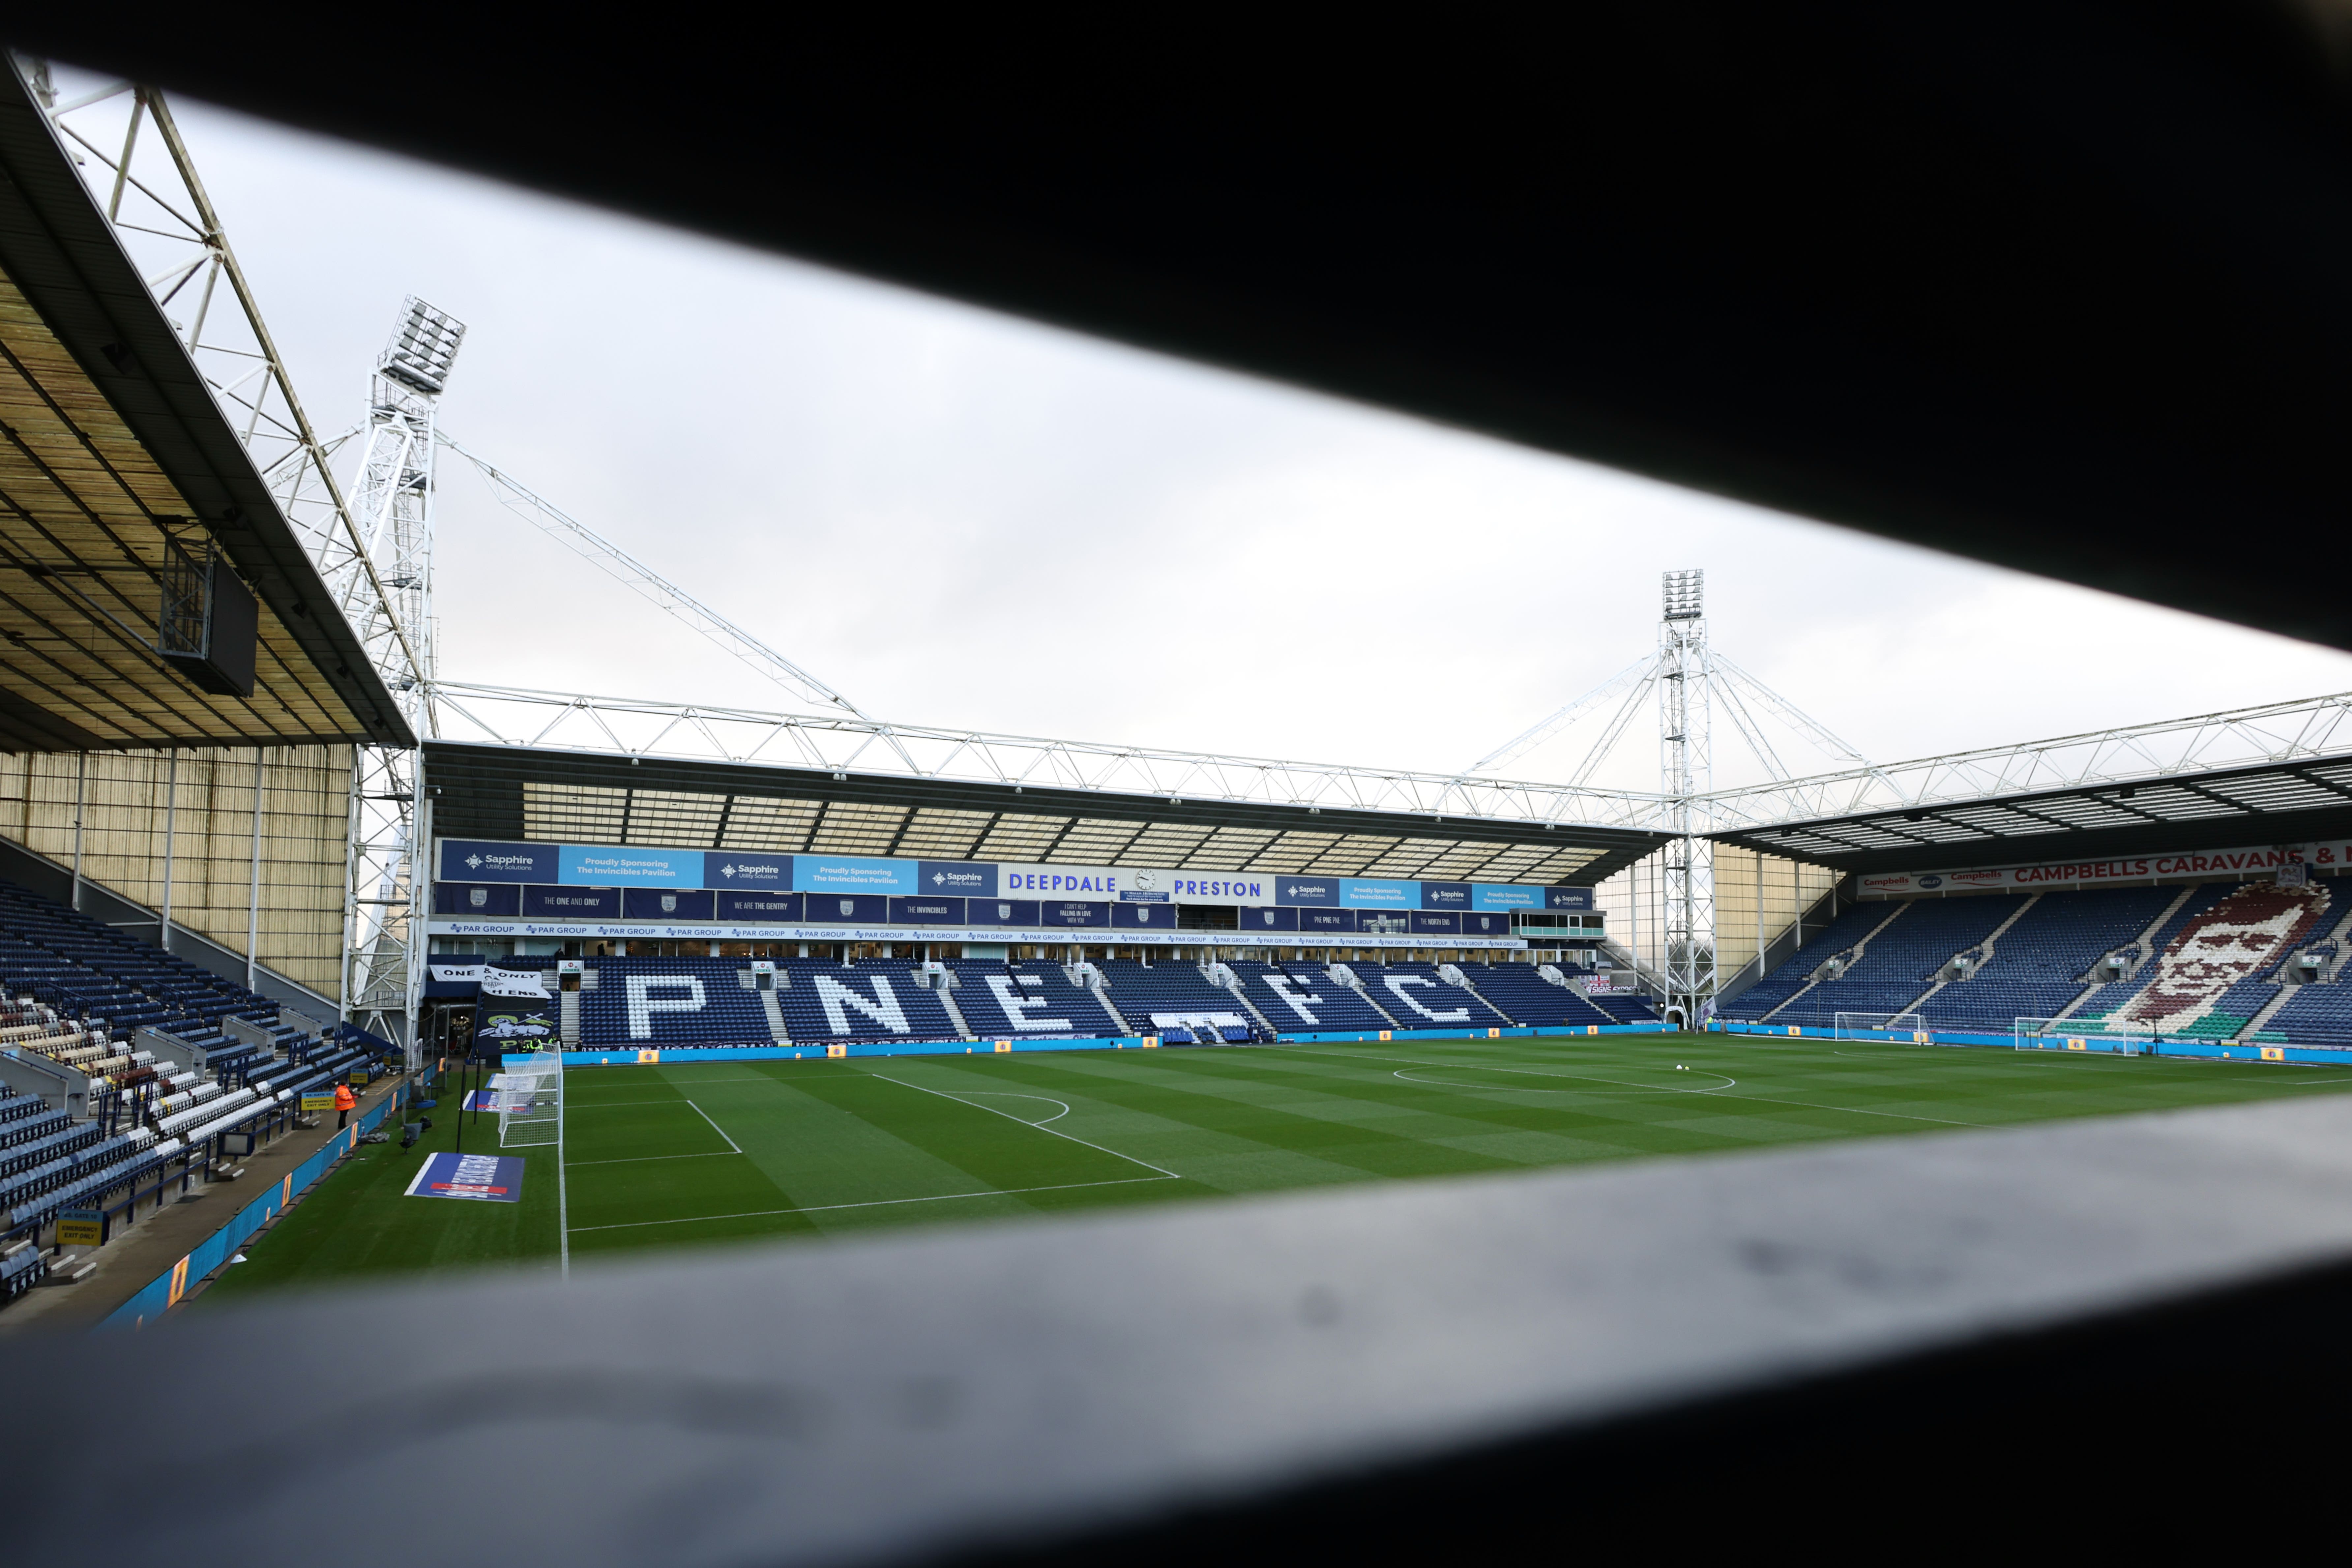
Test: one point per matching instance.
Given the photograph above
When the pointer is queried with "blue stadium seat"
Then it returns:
(823, 1001)
(1302, 998)
(1027, 1000)
(1529, 998)
(671, 1002)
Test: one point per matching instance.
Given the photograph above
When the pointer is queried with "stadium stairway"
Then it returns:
(1865, 928)
(823, 1001)
(1226, 977)
(1027, 999)
(1182, 1004)
(2210, 977)
(2034, 966)
(1421, 997)
(1976, 957)
(1903, 958)
(1521, 991)
(2106, 995)
(944, 984)
(1348, 976)
(1296, 997)
(671, 1002)
(1844, 937)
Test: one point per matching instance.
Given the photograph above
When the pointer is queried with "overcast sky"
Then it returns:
(959, 518)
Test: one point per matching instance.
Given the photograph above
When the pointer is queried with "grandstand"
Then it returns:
(630, 1003)
(2070, 391)
(208, 873)
(2182, 960)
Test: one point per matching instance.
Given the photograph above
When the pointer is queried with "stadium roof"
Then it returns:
(109, 437)
(2288, 802)
(568, 796)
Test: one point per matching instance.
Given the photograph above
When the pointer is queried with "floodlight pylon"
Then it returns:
(124, 140)
(391, 584)
(1685, 770)
(1690, 682)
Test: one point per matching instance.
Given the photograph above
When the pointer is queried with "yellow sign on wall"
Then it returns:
(1003, 1046)
(648, 1058)
(81, 1227)
(836, 1052)
(2273, 1053)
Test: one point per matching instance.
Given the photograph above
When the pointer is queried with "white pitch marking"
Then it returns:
(716, 1127)
(1008, 1094)
(886, 1203)
(1753, 1098)
(1040, 1126)
(1577, 1078)
(642, 1159)
(1630, 1087)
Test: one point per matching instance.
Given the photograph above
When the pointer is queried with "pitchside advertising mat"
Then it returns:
(484, 1178)
(2287, 862)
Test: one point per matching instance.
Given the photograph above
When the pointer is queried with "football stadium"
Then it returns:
(704, 1134)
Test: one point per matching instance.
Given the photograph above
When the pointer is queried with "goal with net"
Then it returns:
(530, 1100)
(2110, 1034)
(1909, 1026)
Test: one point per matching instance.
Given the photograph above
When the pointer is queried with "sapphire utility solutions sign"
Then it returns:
(586, 885)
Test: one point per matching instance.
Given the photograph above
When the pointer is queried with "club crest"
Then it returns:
(478, 897)
(848, 908)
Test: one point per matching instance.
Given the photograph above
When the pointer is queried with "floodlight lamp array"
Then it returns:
(424, 348)
(1684, 594)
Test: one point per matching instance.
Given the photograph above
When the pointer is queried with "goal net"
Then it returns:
(1881, 1026)
(530, 1102)
(2115, 1036)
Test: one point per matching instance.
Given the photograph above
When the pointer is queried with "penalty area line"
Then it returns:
(716, 1127)
(883, 1203)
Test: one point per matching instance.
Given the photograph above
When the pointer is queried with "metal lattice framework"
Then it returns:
(1689, 682)
(390, 583)
(376, 557)
(1686, 765)
(137, 165)
(127, 145)
(520, 716)
(2307, 729)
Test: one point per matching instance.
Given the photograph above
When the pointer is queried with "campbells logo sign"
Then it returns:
(2272, 861)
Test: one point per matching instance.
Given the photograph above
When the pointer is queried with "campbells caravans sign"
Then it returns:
(2290, 862)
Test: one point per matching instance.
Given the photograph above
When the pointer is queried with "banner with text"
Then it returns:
(2265, 861)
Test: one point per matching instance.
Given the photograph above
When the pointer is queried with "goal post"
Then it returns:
(1910, 1027)
(530, 1102)
(2115, 1036)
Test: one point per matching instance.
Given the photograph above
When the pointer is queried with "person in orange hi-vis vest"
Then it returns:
(345, 1103)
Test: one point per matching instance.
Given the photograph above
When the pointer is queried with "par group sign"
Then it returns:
(2290, 862)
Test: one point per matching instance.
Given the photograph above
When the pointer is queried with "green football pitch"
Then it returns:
(690, 1154)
